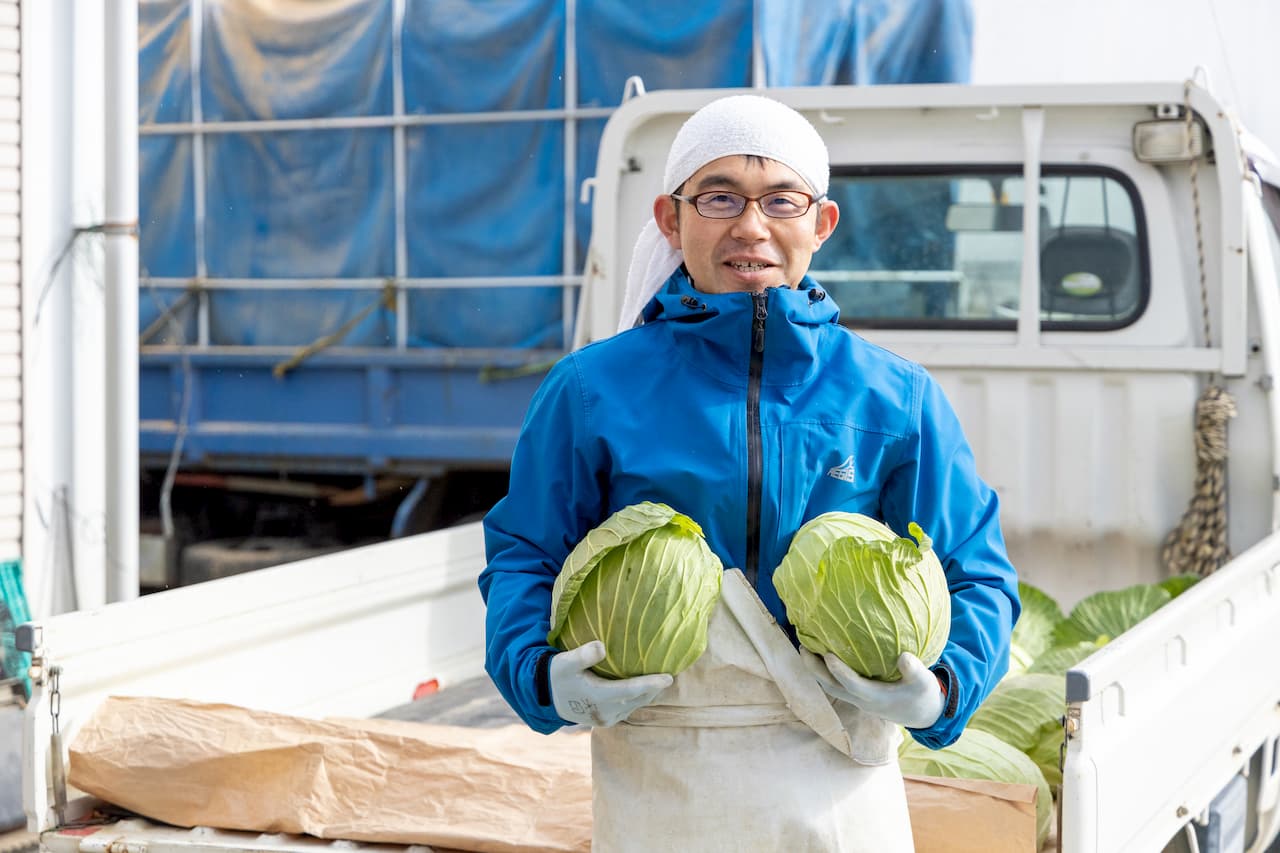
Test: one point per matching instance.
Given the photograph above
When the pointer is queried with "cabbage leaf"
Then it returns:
(1033, 634)
(1108, 614)
(1178, 584)
(1025, 711)
(1059, 659)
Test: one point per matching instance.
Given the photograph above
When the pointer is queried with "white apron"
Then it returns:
(745, 752)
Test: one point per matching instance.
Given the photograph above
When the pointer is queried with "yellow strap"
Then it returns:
(169, 312)
(386, 299)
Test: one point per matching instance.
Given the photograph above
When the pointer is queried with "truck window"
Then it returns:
(933, 249)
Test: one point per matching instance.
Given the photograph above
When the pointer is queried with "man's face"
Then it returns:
(751, 251)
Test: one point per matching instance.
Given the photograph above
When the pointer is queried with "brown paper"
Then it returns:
(971, 815)
(506, 790)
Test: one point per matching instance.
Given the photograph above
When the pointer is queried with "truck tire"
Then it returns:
(222, 558)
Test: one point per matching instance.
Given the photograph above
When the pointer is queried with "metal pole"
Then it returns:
(47, 146)
(433, 283)
(1029, 289)
(280, 125)
(400, 174)
(759, 69)
(196, 16)
(568, 252)
(121, 287)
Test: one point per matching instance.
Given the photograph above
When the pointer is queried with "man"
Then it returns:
(741, 402)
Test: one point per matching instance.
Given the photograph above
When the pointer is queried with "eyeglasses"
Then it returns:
(721, 204)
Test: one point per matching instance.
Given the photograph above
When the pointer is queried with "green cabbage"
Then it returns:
(1033, 634)
(854, 588)
(981, 755)
(1025, 711)
(644, 583)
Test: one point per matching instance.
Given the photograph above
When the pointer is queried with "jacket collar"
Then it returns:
(714, 329)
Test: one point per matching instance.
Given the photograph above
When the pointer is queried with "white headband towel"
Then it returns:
(738, 124)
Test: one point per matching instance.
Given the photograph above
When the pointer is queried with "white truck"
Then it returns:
(1075, 337)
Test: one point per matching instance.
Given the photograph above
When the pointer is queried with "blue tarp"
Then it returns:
(481, 199)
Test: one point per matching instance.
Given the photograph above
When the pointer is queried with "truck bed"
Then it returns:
(474, 703)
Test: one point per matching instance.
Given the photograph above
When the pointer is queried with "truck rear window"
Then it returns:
(935, 249)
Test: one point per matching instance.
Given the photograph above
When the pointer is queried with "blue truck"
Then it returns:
(363, 235)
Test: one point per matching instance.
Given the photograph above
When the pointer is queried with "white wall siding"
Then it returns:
(11, 474)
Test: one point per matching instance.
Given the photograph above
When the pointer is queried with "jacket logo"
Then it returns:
(843, 471)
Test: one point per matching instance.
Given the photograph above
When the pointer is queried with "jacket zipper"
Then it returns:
(754, 452)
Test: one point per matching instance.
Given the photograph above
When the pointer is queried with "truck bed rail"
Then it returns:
(1185, 697)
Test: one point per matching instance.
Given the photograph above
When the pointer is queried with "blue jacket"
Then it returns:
(751, 414)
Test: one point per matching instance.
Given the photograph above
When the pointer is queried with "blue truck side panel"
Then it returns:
(484, 199)
(348, 413)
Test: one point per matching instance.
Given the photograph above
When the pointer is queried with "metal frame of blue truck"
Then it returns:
(363, 239)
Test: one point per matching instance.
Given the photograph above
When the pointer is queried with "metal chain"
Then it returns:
(1198, 545)
(55, 696)
(58, 768)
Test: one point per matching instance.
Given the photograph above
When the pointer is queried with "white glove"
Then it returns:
(915, 702)
(581, 696)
